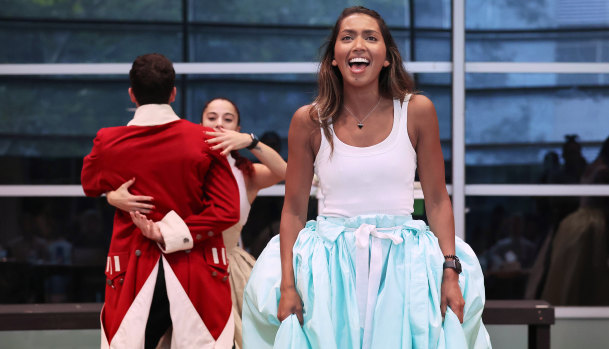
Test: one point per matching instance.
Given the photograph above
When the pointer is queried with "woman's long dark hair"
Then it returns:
(241, 162)
(394, 81)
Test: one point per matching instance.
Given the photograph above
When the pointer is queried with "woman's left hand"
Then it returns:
(228, 140)
(451, 294)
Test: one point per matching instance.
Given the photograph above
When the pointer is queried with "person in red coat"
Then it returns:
(166, 270)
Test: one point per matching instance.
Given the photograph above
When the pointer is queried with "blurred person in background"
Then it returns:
(578, 272)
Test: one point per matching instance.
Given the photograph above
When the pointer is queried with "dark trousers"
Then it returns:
(159, 319)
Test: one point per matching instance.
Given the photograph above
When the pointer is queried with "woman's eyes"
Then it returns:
(349, 37)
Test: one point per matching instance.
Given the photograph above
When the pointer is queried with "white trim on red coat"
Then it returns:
(131, 332)
(176, 234)
(189, 330)
(152, 115)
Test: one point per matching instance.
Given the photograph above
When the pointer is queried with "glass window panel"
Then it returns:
(61, 106)
(150, 10)
(437, 87)
(537, 31)
(256, 44)
(54, 249)
(292, 12)
(431, 46)
(251, 44)
(521, 241)
(43, 170)
(573, 45)
(47, 125)
(513, 121)
(432, 13)
(86, 42)
(535, 14)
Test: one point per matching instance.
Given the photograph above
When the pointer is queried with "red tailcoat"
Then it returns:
(173, 163)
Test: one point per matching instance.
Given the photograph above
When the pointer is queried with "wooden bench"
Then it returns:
(538, 315)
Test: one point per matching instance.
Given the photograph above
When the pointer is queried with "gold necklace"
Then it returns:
(360, 123)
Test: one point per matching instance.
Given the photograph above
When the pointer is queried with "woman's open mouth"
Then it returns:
(358, 64)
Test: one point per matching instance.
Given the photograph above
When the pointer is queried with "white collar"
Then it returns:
(153, 114)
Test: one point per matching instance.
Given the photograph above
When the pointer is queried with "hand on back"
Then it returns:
(122, 199)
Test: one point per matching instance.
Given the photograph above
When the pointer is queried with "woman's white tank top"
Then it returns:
(378, 179)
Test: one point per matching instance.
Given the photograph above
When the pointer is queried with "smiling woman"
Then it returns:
(365, 274)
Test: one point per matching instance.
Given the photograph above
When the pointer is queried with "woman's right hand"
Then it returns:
(122, 199)
(289, 303)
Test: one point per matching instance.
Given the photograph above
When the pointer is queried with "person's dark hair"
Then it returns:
(272, 139)
(152, 79)
(394, 81)
(241, 162)
(571, 144)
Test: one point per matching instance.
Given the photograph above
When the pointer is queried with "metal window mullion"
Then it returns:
(537, 67)
(458, 120)
(75, 190)
(536, 190)
(196, 68)
(550, 190)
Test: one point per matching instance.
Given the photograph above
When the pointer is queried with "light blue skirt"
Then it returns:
(365, 282)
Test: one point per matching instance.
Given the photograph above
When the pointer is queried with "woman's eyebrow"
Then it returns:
(367, 31)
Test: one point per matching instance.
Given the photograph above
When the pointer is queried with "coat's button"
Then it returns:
(187, 251)
(186, 240)
(225, 278)
(214, 273)
(210, 233)
(138, 253)
(199, 236)
(109, 282)
(121, 280)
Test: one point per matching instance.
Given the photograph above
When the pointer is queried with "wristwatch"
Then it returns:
(254, 143)
(453, 264)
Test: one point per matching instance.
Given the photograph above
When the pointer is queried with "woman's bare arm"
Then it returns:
(303, 141)
(430, 164)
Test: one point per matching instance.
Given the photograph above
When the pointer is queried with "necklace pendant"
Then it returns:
(360, 125)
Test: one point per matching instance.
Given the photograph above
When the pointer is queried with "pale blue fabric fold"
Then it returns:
(402, 310)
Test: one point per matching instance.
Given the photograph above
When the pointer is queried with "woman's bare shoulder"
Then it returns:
(302, 116)
(422, 111)
(304, 129)
(420, 104)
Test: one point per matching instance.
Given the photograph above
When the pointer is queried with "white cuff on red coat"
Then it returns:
(175, 233)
